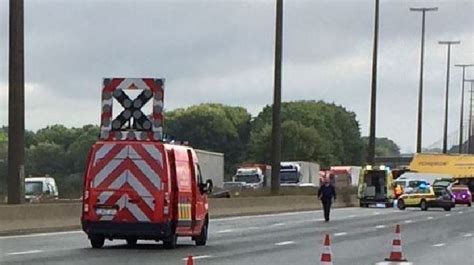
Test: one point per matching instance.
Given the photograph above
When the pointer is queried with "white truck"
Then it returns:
(40, 189)
(299, 173)
(251, 177)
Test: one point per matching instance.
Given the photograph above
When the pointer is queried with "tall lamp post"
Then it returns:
(276, 120)
(469, 141)
(446, 110)
(373, 98)
(419, 135)
(461, 123)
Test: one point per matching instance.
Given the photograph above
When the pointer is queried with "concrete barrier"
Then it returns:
(28, 218)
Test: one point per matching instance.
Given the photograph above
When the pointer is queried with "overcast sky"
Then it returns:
(222, 51)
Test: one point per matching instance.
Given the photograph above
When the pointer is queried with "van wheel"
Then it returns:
(447, 209)
(97, 241)
(401, 205)
(423, 205)
(171, 242)
(201, 240)
(131, 242)
(469, 205)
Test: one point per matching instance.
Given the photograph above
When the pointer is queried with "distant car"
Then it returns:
(462, 195)
(40, 189)
(436, 196)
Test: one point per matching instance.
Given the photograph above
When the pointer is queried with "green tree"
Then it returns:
(337, 128)
(212, 127)
(384, 147)
(57, 134)
(78, 151)
(299, 143)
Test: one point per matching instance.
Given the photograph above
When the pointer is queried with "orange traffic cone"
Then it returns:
(190, 260)
(326, 256)
(396, 253)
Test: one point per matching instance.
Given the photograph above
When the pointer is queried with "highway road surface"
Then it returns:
(360, 236)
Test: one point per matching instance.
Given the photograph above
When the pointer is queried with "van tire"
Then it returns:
(97, 241)
(201, 240)
(131, 242)
(423, 205)
(447, 209)
(171, 242)
(469, 204)
(401, 205)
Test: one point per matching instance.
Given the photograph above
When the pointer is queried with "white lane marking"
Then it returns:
(41, 235)
(319, 220)
(279, 214)
(380, 226)
(408, 221)
(285, 243)
(278, 224)
(448, 214)
(468, 235)
(352, 216)
(199, 257)
(460, 212)
(253, 228)
(225, 231)
(24, 252)
(439, 245)
(430, 218)
(340, 234)
(377, 213)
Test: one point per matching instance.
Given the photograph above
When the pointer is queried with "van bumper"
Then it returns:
(114, 230)
(371, 201)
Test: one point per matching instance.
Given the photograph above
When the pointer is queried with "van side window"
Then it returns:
(198, 174)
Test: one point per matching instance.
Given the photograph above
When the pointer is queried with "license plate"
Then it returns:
(105, 211)
(380, 205)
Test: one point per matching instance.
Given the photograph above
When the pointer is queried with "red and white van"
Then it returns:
(144, 190)
(140, 187)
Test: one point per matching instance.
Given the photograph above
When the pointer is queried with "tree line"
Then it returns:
(311, 131)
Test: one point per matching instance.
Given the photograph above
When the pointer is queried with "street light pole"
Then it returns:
(373, 99)
(16, 104)
(461, 123)
(469, 140)
(419, 135)
(446, 110)
(276, 121)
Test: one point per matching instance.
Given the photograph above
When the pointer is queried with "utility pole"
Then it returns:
(469, 140)
(373, 98)
(419, 135)
(446, 110)
(276, 122)
(16, 105)
(461, 123)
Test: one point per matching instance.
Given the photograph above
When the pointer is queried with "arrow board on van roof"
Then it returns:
(141, 113)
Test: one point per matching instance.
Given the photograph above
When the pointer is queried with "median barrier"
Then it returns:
(43, 217)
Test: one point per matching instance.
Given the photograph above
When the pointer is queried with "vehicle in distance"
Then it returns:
(40, 189)
(376, 187)
(462, 195)
(437, 195)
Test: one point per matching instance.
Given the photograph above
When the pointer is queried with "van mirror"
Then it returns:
(207, 187)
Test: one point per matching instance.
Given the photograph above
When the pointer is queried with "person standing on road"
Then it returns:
(327, 193)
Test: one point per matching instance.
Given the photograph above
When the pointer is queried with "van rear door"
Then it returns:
(125, 183)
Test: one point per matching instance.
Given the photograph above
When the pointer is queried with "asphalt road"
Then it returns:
(360, 236)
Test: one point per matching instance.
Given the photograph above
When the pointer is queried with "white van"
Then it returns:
(40, 188)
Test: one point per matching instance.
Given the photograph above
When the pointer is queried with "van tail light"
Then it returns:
(86, 208)
(166, 210)
(167, 198)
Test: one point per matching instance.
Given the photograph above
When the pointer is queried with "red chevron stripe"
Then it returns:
(148, 158)
(113, 84)
(125, 214)
(115, 174)
(142, 178)
(152, 85)
(107, 158)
